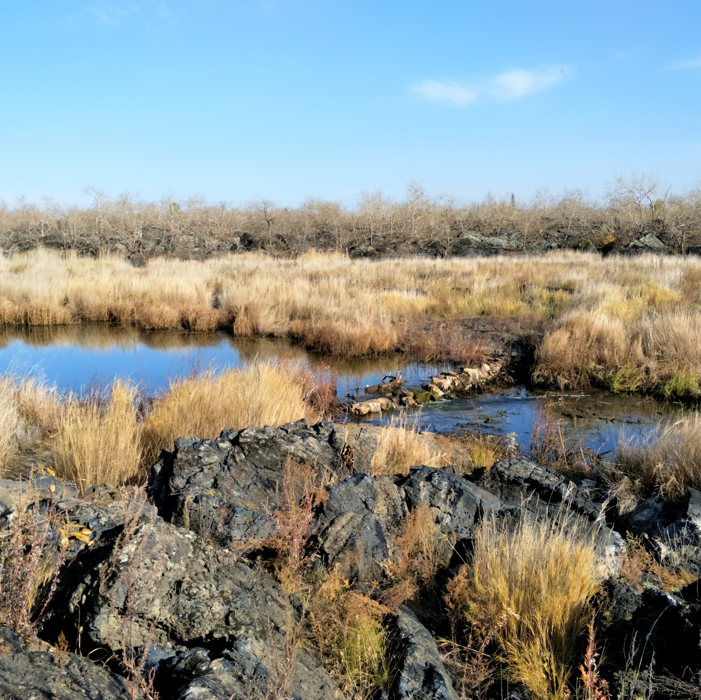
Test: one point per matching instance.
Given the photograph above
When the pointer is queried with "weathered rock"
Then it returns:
(469, 378)
(420, 673)
(455, 503)
(246, 670)
(224, 489)
(520, 484)
(47, 675)
(362, 408)
(649, 243)
(361, 516)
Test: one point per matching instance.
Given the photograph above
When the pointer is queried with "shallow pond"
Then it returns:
(76, 357)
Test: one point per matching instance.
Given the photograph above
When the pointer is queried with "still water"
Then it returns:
(74, 358)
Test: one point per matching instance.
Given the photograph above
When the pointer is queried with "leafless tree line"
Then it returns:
(632, 206)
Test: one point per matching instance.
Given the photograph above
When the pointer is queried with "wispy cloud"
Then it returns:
(690, 64)
(445, 92)
(504, 87)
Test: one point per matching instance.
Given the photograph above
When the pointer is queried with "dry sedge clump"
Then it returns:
(670, 461)
(99, 438)
(29, 409)
(348, 631)
(260, 394)
(537, 579)
(401, 446)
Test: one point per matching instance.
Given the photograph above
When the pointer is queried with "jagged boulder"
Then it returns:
(53, 675)
(420, 671)
(224, 490)
(361, 516)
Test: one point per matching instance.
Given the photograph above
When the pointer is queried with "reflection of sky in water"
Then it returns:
(74, 357)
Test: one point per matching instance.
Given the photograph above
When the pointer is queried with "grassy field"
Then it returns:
(625, 323)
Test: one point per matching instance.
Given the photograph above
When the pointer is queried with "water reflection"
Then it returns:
(74, 357)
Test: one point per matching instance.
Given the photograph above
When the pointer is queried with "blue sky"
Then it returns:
(288, 99)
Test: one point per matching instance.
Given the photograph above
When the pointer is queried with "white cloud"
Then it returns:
(686, 65)
(505, 87)
(445, 92)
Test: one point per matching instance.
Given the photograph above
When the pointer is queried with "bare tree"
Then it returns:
(634, 195)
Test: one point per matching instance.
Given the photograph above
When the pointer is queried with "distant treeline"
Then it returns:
(632, 209)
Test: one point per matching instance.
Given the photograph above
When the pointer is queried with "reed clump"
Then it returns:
(99, 438)
(202, 406)
(401, 446)
(529, 585)
(669, 461)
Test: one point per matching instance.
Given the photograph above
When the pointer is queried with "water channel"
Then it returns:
(75, 358)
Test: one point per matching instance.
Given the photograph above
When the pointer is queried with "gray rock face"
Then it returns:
(650, 243)
(456, 504)
(224, 489)
(163, 585)
(514, 480)
(44, 675)
(361, 516)
(246, 670)
(421, 673)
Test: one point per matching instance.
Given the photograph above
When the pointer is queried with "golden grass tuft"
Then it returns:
(668, 462)
(401, 446)
(99, 438)
(202, 406)
(537, 579)
(348, 631)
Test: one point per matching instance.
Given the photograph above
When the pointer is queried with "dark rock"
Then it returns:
(649, 243)
(420, 672)
(361, 516)
(514, 480)
(224, 489)
(456, 504)
(45, 675)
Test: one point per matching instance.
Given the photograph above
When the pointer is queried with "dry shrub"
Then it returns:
(418, 554)
(669, 461)
(204, 405)
(348, 631)
(401, 446)
(539, 578)
(99, 439)
(293, 518)
(33, 551)
(637, 563)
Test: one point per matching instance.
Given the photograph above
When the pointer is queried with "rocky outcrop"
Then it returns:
(224, 489)
(420, 673)
(53, 675)
(463, 381)
(647, 244)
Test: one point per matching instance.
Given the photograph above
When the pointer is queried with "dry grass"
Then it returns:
(401, 446)
(29, 410)
(202, 406)
(623, 322)
(539, 578)
(99, 438)
(669, 461)
(348, 631)
(112, 436)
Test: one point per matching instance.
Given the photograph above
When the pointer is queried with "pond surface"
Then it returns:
(74, 358)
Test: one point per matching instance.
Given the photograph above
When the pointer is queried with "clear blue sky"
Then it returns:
(286, 99)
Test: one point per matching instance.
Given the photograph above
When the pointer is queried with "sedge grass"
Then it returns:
(530, 584)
